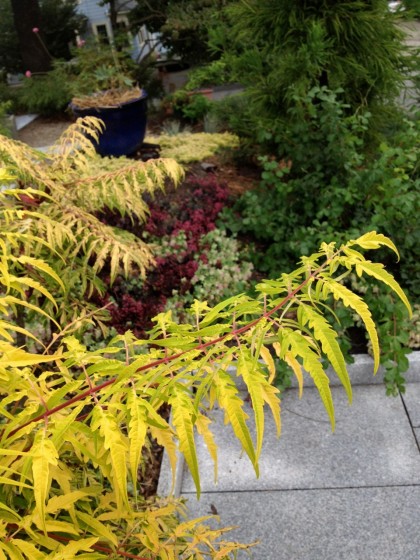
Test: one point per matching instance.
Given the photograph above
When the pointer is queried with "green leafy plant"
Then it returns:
(197, 108)
(98, 75)
(74, 422)
(300, 198)
(215, 74)
(5, 128)
(342, 189)
(101, 76)
(232, 113)
(46, 94)
(395, 329)
(189, 107)
(221, 272)
(414, 328)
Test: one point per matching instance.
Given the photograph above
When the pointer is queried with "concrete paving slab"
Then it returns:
(23, 120)
(344, 524)
(360, 372)
(417, 434)
(411, 399)
(373, 445)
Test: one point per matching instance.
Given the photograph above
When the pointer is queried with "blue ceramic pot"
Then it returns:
(125, 126)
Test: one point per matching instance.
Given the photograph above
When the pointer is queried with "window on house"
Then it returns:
(122, 33)
(101, 31)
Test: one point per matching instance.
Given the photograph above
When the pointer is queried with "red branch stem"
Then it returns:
(201, 347)
(100, 548)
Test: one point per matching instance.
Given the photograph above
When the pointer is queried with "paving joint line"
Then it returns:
(410, 421)
(320, 489)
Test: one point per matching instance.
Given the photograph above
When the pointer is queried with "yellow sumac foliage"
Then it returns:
(50, 212)
(73, 422)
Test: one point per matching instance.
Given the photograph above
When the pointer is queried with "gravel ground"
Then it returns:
(42, 131)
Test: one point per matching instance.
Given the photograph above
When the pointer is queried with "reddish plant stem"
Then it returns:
(201, 347)
(100, 548)
(74, 399)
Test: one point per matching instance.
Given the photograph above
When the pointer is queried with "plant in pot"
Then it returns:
(104, 88)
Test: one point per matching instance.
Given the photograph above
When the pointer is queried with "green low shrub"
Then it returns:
(186, 106)
(5, 127)
(46, 95)
(197, 108)
(222, 270)
(232, 113)
(344, 188)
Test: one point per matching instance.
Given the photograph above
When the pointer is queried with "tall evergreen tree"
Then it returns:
(281, 49)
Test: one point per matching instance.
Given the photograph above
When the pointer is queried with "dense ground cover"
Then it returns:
(194, 259)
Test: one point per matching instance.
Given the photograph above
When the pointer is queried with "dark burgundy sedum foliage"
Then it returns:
(194, 209)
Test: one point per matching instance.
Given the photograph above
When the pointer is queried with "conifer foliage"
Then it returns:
(280, 49)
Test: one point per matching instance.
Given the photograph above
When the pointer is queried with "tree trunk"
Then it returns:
(27, 16)
(113, 14)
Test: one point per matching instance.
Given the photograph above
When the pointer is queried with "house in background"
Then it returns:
(99, 25)
(172, 72)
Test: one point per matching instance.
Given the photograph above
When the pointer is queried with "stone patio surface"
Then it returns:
(353, 494)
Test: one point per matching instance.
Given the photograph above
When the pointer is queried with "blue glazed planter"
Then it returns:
(125, 126)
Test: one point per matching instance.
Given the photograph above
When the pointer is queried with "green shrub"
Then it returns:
(340, 190)
(232, 113)
(299, 196)
(205, 76)
(412, 8)
(46, 95)
(188, 107)
(197, 108)
(222, 270)
(5, 127)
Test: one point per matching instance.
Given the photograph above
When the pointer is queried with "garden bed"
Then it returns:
(184, 268)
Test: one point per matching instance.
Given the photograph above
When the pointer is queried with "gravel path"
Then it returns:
(42, 131)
